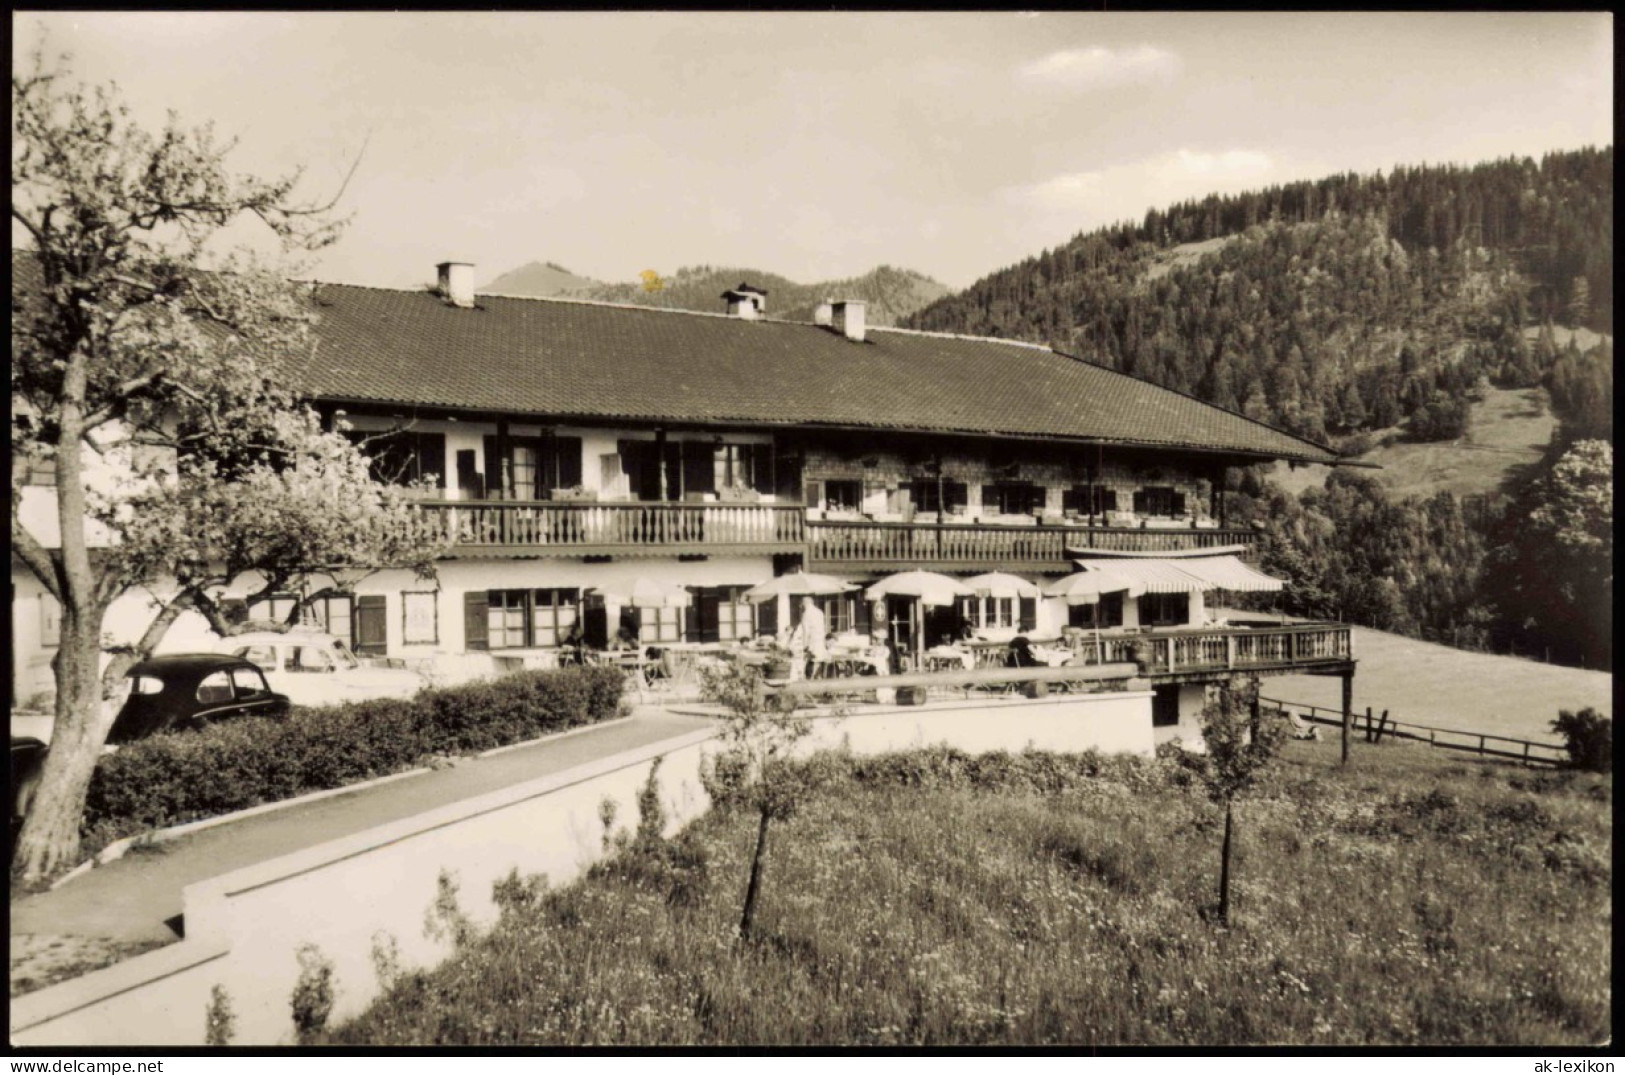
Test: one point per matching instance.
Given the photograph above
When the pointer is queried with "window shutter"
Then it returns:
(569, 457)
(476, 629)
(691, 621)
(1179, 504)
(1108, 498)
(1139, 501)
(1029, 613)
(957, 494)
(860, 616)
(815, 494)
(432, 457)
(767, 618)
(761, 461)
(372, 634)
(1072, 499)
(493, 469)
(990, 498)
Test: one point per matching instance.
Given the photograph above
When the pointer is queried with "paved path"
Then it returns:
(138, 897)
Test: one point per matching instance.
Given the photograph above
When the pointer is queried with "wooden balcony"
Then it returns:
(1197, 653)
(875, 546)
(553, 528)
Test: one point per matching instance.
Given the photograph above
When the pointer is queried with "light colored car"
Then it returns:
(315, 668)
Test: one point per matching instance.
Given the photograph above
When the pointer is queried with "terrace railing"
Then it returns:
(571, 528)
(835, 544)
(1223, 648)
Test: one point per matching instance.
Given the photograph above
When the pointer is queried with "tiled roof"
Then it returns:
(575, 359)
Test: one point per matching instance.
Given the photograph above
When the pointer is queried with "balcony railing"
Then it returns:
(571, 528)
(835, 544)
(1223, 648)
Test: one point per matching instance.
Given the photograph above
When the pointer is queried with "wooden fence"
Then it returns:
(1377, 728)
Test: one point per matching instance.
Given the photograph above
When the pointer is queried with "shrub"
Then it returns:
(1589, 738)
(183, 776)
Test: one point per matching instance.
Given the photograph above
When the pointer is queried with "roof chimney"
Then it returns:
(457, 283)
(745, 302)
(848, 318)
(824, 314)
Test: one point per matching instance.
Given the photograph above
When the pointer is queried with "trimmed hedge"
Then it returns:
(184, 776)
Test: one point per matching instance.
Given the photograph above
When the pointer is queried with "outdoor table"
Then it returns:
(948, 658)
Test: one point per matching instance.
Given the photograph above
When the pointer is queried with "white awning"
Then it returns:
(1229, 573)
(1185, 575)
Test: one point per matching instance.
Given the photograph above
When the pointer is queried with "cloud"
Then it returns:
(1060, 206)
(1097, 68)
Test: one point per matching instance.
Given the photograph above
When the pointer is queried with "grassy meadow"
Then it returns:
(1479, 692)
(937, 898)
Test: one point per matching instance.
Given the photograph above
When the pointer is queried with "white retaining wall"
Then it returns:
(244, 928)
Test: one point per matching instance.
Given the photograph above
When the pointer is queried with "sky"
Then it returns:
(819, 145)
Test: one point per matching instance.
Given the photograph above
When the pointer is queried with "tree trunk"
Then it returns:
(1224, 871)
(49, 840)
(748, 918)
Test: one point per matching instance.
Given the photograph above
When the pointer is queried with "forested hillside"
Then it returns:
(1328, 307)
(891, 293)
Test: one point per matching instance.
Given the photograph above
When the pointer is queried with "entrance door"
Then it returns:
(902, 614)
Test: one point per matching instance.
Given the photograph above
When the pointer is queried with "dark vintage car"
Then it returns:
(179, 692)
(186, 691)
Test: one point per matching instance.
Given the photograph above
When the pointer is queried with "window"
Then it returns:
(263, 655)
(736, 464)
(660, 624)
(517, 618)
(249, 683)
(555, 612)
(1164, 609)
(722, 614)
(146, 685)
(215, 688)
(843, 495)
(988, 611)
(837, 610)
(507, 620)
(420, 622)
(403, 456)
(954, 495)
(1159, 500)
(310, 659)
(1089, 499)
(1107, 612)
(1012, 498)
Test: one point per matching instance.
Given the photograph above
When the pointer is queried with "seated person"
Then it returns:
(1021, 654)
(967, 632)
(574, 642)
(623, 641)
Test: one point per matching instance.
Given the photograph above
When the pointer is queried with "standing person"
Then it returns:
(809, 636)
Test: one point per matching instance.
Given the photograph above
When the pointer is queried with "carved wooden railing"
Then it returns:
(833, 543)
(528, 524)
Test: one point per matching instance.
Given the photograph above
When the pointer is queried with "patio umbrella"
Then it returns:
(796, 584)
(1085, 587)
(647, 593)
(928, 587)
(1000, 584)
